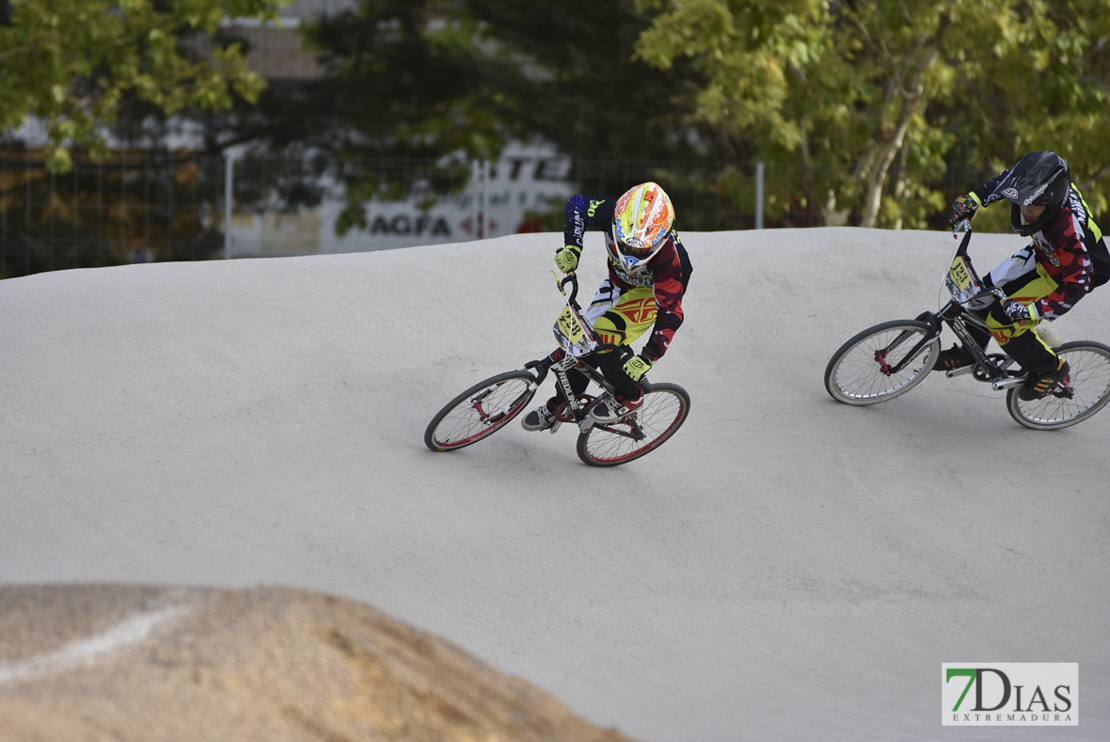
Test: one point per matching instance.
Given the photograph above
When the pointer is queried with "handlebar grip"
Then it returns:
(572, 278)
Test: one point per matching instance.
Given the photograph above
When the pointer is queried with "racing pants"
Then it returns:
(1025, 281)
(618, 317)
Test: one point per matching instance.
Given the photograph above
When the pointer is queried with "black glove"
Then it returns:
(964, 207)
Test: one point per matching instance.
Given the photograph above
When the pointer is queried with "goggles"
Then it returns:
(633, 252)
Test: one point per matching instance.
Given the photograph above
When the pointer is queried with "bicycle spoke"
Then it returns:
(663, 411)
(1089, 382)
(863, 371)
(479, 411)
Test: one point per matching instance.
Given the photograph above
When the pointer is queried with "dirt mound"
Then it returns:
(269, 664)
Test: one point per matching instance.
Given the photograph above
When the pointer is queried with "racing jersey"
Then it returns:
(668, 272)
(1064, 247)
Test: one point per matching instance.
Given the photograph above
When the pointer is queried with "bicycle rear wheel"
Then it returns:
(480, 411)
(640, 432)
(860, 371)
(1087, 392)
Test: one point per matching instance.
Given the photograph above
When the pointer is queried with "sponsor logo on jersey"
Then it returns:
(1079, 216)
(1047, 250)
(579, 228)
(640, 311)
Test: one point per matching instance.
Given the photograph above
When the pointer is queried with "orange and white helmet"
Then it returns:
(642, 222)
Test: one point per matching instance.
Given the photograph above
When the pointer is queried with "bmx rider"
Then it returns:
(649, 270)
(1066, 259)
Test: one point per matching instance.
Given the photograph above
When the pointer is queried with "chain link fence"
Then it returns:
(137, 206)
(133, 207)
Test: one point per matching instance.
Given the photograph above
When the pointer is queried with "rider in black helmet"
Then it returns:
(1065, 260)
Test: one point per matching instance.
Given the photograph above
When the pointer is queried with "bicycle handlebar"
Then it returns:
(571, 278)
(964, 226)
(542, 365)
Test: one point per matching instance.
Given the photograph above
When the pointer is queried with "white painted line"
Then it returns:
(131, 630)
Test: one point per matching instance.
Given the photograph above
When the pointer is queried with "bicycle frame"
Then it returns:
(965, 286)
(562, 361)
(889, 359)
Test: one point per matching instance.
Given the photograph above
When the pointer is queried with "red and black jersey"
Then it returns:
(1063, 253)
(1067, 247)
(668, 271)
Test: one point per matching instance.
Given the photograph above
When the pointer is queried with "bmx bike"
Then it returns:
(889, 359)
(489, 405)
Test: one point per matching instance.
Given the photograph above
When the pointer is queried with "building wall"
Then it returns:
(276, 52)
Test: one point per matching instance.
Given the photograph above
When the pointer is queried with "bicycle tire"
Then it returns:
(1089, 380)
(464, 420)
(855, 376)
(663, 412)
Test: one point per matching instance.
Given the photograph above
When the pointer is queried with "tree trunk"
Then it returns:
(898, 187)
(888, 149)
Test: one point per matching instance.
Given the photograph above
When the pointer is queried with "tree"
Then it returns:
(418, 80)
(1044, 85)
(70, 63)
(871, 96)
(585, 89)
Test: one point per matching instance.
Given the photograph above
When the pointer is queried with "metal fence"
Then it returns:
(133, 207)
(138, 206)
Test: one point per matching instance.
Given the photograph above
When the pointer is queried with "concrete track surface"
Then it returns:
(785, 568)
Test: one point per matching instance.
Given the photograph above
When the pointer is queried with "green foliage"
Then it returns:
(876, 98)
(398, 87)
(419, 81)
(583, 88)
(864, 110)
(71, 63)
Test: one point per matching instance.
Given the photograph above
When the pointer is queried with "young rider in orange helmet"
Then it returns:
(649, 270)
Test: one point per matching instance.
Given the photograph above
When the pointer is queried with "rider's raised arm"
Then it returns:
(986, 194)
(584, 213)
(581, 214)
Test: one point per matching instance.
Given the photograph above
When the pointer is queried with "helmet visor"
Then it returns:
(633, 252)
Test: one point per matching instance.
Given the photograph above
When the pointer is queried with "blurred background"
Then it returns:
(215, 129)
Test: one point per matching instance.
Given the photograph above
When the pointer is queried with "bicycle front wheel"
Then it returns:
(1084, 392)
(640, 432)
(480, 411)
(862, 371)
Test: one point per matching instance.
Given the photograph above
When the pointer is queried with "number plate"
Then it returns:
(962, 282)
(572, 334)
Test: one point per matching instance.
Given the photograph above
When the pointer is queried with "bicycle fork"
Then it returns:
(881, 354)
